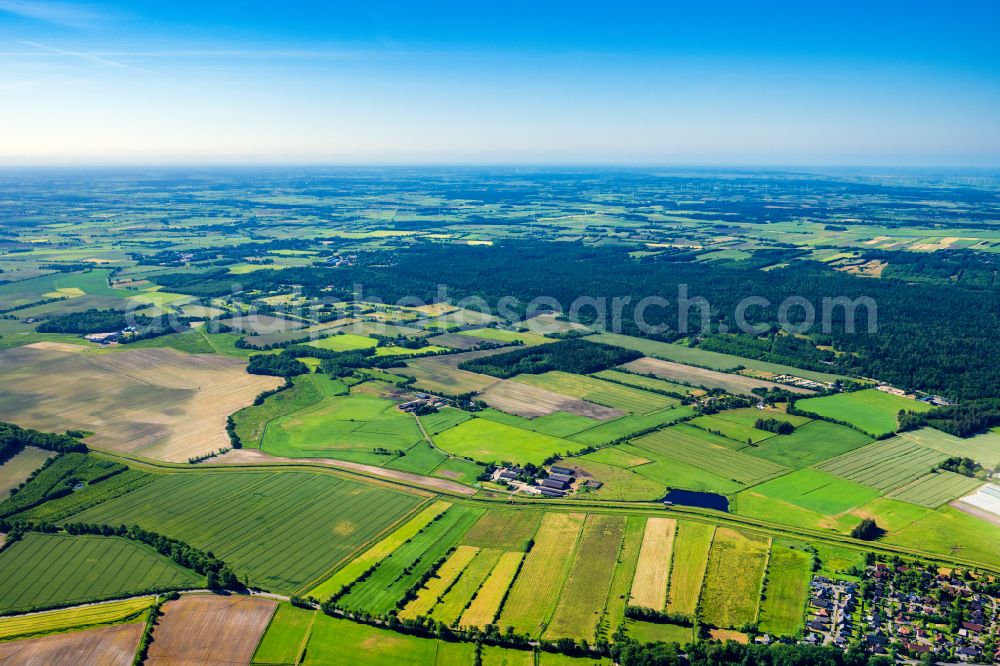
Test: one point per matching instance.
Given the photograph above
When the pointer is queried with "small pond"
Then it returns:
(693, 498)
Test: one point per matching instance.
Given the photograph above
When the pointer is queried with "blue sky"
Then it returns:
(885, 83)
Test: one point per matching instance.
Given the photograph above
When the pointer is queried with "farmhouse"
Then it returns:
(561, 477)
(555, 469)
(554, 484)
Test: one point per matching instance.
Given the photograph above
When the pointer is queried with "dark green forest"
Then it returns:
(939, 338)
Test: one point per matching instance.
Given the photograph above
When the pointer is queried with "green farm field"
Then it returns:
(983, 448)
(621, 583)
(306, 391)
(581, 603)
(692, 545)
(249, 518)
(507, 529)
(683, 445)
(870, 411)
(629, 425)
(934, 489)
(285, 636)
(395, 574)
(884, 465)
(734, 578)
(748, 416)
(741, 434)
(671, 472)
(809, 444)
(503, 335)
(789, 571)
(556, 424)
(618, 483)
(361, 563)
(50, 570)
(338, 642)
(346, 427)
(535, 593)
(487, 441)
(814, 490)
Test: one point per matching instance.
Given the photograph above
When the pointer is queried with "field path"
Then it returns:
(257, 457)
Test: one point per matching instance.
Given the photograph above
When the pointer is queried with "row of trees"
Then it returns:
(14, 438)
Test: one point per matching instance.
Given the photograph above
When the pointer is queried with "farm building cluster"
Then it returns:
(910, 611)
(557, 481)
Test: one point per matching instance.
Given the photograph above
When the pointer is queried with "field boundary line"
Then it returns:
(763, 580)
(704, 574)
(300, 655)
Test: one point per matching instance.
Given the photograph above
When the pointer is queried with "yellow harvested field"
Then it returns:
(72, 618)
(108, 646)
(158, 403)
(208, 628)
(486, 604)
(533, 401)
(449, 572)
(649, 587)
(536, 590)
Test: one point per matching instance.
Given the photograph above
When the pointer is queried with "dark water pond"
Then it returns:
(702, 500)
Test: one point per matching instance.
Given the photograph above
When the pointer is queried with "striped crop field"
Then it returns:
(400, 571)
(649, 586)
(250, 518)
(585, 592)
(536, 590)
(713, 458)
(380, 550)
(884, 465)
(47, 570)
(934, 489)
(73, 618)
(455, 600)
(691, 548)
(442, 580)
(984, 448)
(734, 578)
(486, 603)
(628, 559)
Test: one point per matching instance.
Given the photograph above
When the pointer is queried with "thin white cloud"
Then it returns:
(84, 56)
(60, 13)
